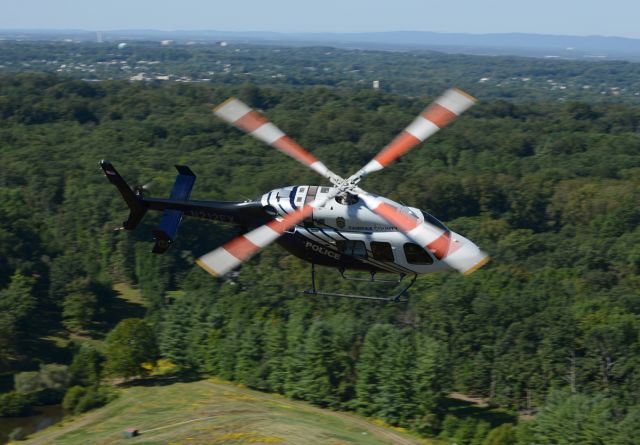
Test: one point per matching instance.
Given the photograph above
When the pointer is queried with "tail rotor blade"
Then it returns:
(437, 115)
(243, 247)
(240, 115)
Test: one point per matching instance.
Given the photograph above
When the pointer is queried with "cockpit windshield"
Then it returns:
(435, 221)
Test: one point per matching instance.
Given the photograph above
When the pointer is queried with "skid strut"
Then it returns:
(397, 297)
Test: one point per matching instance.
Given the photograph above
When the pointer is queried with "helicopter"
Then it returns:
(338, 225)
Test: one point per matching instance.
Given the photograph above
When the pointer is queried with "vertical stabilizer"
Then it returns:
(167, 231)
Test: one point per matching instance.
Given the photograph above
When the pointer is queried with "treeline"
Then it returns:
(549, 190)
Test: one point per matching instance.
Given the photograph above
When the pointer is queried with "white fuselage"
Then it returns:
(349, 232)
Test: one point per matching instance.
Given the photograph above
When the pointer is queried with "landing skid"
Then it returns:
(393, 298)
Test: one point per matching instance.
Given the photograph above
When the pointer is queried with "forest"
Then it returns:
(548, 331)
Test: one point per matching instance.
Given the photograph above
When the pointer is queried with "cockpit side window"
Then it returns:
(435, 221)
(416, 254)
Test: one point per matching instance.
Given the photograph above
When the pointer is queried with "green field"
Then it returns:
(214, 412)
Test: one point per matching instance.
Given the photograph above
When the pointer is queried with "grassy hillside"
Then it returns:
(212, 412)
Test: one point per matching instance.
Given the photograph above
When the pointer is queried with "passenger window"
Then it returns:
(352, 248)
(416, 254)
(381, 251)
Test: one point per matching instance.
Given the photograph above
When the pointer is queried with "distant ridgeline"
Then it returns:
(493, 44)
(550, 189)
(415, 73)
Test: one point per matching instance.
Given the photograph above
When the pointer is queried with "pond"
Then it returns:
(44, 417)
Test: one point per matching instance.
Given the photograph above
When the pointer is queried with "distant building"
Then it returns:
(122, 45)
(376, 84)
(99, 36)
(167, 42)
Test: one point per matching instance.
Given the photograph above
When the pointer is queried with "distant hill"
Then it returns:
(534, 45)
(214, 412)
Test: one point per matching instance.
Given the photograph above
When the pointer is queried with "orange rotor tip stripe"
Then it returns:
(241, 248)
(399, 146)
(290, 147)
(440, 246)
(390, 213)
(439, 115)
(251, 121)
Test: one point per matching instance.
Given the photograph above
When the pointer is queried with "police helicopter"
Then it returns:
(338, 225)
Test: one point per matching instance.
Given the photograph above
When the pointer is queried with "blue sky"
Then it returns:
(566, 17)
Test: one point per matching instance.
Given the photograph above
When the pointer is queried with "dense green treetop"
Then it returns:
(549, 189)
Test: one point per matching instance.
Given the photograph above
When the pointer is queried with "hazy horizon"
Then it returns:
(222, 31)
(547, 17)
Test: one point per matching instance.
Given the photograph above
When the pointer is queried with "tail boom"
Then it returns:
(247, 214)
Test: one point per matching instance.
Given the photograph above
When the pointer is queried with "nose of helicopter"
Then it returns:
(465, 256)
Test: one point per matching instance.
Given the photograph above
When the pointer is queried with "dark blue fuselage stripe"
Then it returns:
(324, 242)
(292, 197)
(338, 232)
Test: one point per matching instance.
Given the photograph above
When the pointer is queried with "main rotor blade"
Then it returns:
(240, 115)
(437, 115)
(243, 247)
(459, 253)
